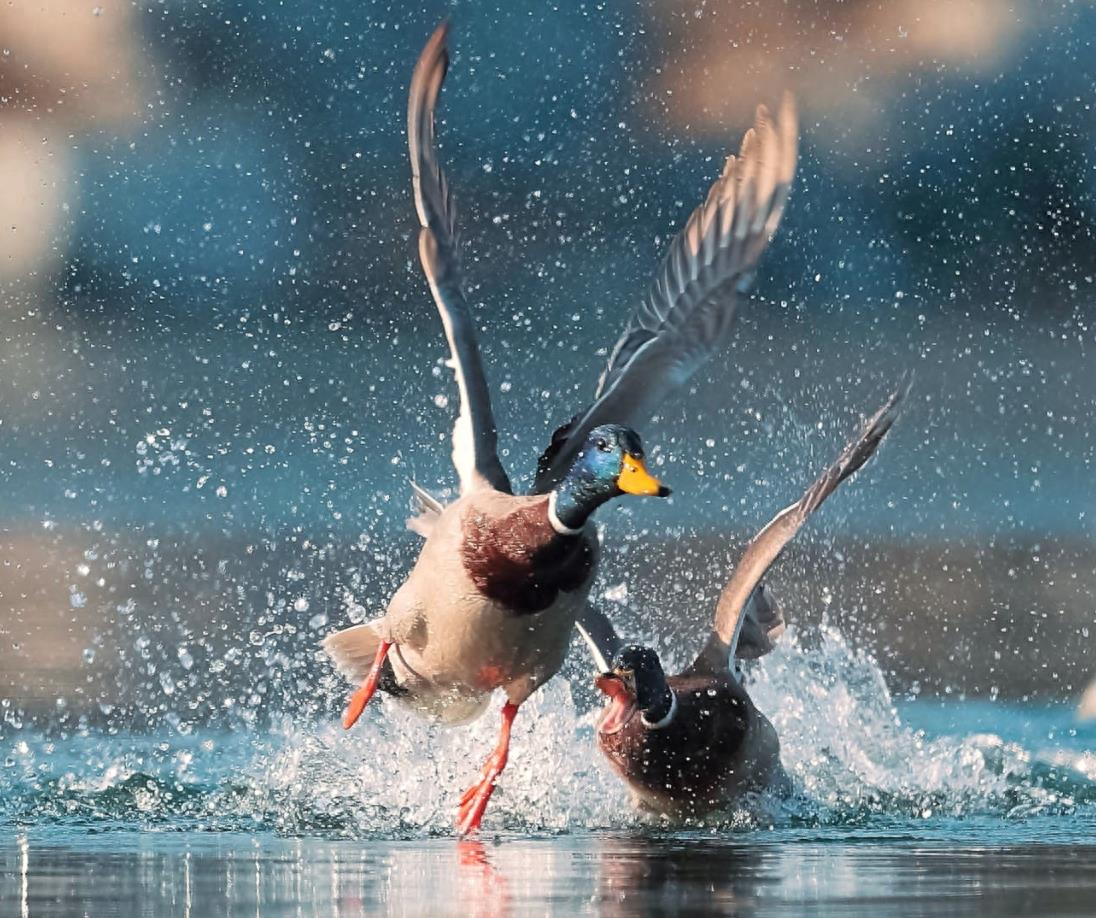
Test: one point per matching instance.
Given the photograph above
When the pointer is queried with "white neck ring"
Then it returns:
(665, 721)
(557, 524)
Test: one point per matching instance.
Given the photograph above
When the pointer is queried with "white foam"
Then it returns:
(842, 740)
(393, 774)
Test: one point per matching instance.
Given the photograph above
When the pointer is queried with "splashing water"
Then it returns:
(394, 776)
(851, 756)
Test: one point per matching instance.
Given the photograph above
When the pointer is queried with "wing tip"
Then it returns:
(895, 402)
(437, 44)
(434, 54)
(789, 130)
(872, 434)
(426, 82)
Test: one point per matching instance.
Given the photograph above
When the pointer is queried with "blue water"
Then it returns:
(900, 807)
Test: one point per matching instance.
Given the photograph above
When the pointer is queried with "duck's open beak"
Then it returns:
(622, 707)
(635, 479)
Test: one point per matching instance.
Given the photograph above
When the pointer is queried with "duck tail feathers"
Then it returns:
(353, 650)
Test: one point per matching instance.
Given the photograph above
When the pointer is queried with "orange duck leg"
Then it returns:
(365, 691)
(474, 801)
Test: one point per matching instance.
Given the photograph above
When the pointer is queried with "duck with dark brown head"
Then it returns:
(689, 744)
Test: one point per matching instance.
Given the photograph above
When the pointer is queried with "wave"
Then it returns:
(852, 759)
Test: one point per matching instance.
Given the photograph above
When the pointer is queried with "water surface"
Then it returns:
(866, 873)
(958, 807)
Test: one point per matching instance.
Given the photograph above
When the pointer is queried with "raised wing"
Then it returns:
(475, 441)
(689, 310)
(767, 545)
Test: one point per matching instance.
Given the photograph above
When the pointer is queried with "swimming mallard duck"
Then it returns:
(690, 743)
(499, 583)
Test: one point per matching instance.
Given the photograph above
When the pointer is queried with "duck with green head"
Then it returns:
(501, 578)
(493, 597)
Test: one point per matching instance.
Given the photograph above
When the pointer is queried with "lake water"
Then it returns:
(907, 872)
(958, 807)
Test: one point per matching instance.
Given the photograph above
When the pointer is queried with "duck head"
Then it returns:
(609, 464)
(636, 685)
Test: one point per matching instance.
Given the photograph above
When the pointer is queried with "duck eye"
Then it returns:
(602, 444)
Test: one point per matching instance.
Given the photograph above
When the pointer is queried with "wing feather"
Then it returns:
(475, 440)
(688, 312)
(768, 544)
(600, 636)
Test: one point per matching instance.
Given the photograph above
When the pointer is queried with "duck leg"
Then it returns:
(474, 801)
(365, 691)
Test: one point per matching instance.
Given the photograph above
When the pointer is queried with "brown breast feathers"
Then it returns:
(691, 762)
(520, 561)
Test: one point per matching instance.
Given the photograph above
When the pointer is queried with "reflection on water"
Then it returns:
(166, 874)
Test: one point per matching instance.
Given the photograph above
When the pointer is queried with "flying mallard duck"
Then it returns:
(690, 743)
(501, 579)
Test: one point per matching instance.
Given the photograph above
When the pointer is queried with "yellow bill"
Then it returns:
(635, 479)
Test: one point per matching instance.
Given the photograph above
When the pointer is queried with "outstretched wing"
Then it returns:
(689, 310)
(767, 545)
(474, 437)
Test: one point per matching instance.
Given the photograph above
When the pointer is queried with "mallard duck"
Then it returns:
(501, 579)
(689, 743)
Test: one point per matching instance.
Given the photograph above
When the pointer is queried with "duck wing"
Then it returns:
(762, 625)
(689, 310)
(475, 441)
(767, 545)
(600, 636)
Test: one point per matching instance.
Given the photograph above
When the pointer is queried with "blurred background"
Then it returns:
(219, 363)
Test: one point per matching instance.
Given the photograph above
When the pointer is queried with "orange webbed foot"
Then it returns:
(473, 802)
(365, 691)
(470, 814)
